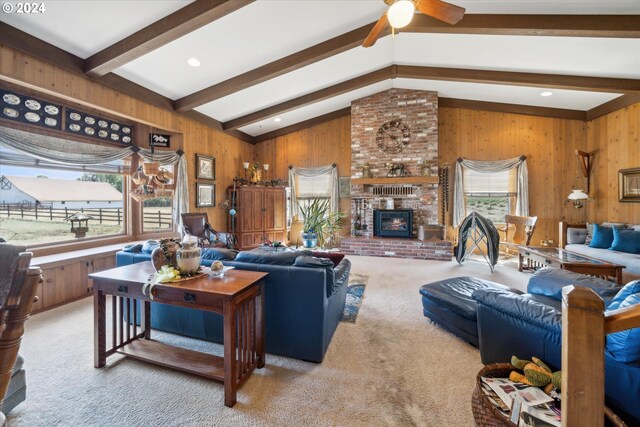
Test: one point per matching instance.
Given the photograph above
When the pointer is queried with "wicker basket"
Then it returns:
(486, 414)
(141, 197)
(151, 168)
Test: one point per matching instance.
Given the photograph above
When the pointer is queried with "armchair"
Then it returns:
(522, 226)
(197, 224)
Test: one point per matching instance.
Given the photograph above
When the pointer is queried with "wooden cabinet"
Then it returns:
(261, 215)
(66, 279)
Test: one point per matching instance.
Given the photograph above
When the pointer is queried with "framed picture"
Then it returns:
(205, 167)
(206, 195)
(344, 184)
(629, 185)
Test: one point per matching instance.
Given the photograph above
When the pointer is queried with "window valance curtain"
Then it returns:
(522, 192)
(331, 170)
(67, 152)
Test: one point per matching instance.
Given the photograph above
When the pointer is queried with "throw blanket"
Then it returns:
(475, 226)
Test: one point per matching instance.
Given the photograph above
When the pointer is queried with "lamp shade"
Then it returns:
(400, 13)
(578, 195)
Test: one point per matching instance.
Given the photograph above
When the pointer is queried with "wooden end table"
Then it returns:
(530, 257)
(238, 297)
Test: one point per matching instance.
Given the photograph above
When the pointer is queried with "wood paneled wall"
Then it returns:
(614, 142)
(316, 146)
(229, 152)
(548, 143)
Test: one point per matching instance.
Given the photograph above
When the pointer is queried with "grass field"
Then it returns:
(28, 232)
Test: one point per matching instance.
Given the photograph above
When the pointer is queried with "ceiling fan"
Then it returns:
(401, 12)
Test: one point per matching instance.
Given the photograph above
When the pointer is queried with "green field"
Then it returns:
(493, 208)
(29, 232)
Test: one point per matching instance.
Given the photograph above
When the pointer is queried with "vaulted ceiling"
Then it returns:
(297, 60)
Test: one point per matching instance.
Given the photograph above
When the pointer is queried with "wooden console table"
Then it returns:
(238, 297)
(541, 256)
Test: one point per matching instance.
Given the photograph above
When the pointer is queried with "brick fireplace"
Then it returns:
(415, 145)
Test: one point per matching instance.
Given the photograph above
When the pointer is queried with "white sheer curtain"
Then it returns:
(181, 195)
(330, 170)
(522, 192)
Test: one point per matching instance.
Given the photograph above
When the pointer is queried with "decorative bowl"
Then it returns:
(220, 273)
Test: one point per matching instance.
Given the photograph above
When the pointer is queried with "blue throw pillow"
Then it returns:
(273, 258)
(628, 289)
(602, 237)
(626, 240)
(219, 254)
(624, 346)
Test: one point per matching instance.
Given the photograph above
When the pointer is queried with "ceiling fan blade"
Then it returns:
(375, 31)
(443, 11)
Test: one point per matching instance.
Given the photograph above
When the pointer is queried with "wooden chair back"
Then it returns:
(522, 226)
(196, 224)
(14, 311)
(584, 329)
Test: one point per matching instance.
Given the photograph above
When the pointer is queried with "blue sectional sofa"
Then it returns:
(531, 325)
(303, 304)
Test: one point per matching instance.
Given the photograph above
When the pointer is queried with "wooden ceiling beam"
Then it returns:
(310, 98)
(164, 31)
(276, 68)
(619, 26)
(20, 41)
(511, 78)
(500, 107)
(304, 124)
(613, 105)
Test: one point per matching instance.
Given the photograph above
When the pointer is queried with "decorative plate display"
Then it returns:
(10, 112)
(32, 104)
(27, 109)
(11, 99)
(98, 127)
(32, 117)
(126, 130)
(51, 109)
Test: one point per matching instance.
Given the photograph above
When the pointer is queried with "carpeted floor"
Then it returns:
(393, 367)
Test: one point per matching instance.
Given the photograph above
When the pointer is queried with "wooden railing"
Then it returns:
(584, 329)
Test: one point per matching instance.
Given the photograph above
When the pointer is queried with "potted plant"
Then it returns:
(318, 222)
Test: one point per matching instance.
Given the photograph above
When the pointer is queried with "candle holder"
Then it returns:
(266, 170)
(246, 168)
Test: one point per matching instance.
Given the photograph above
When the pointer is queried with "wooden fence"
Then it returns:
(157, 218)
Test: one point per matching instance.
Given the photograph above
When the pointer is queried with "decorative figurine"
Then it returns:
(395, 169)
(366, 171)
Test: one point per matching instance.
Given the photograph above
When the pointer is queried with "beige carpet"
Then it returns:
(392, 367)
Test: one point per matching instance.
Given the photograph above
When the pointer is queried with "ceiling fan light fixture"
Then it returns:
(400, 13)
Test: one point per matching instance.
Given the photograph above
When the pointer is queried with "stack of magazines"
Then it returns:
(523, 405)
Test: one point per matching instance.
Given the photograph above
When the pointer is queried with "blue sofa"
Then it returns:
(530, 325)
(303, 304)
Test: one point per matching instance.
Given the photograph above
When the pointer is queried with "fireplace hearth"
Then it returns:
(393, 223)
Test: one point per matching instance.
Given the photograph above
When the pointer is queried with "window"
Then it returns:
(309, 189)
(492, 195)
(156, 214)
(38, 197)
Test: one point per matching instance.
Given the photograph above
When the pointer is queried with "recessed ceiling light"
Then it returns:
(546, 93)
(194, 62)
(277, 119)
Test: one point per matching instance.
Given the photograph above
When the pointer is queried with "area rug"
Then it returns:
(355, 293)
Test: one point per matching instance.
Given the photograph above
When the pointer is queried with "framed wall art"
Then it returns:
(629, 185)
(205, 195)
(344, 184)
(205, 167)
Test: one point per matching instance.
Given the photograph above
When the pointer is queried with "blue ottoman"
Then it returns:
(449, 303)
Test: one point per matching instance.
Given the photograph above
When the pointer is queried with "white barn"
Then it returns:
(58, 193)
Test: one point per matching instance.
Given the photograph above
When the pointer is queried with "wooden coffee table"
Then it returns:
(238, 297)
(530, 257)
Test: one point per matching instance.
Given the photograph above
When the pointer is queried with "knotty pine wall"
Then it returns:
(614, 141)
(319, 145)
(228, 151)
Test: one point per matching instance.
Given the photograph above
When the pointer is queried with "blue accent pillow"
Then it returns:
(626, 240)
(149, 246)
(627, 290)
(272, 258)
(624, 346)
(602, 237)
